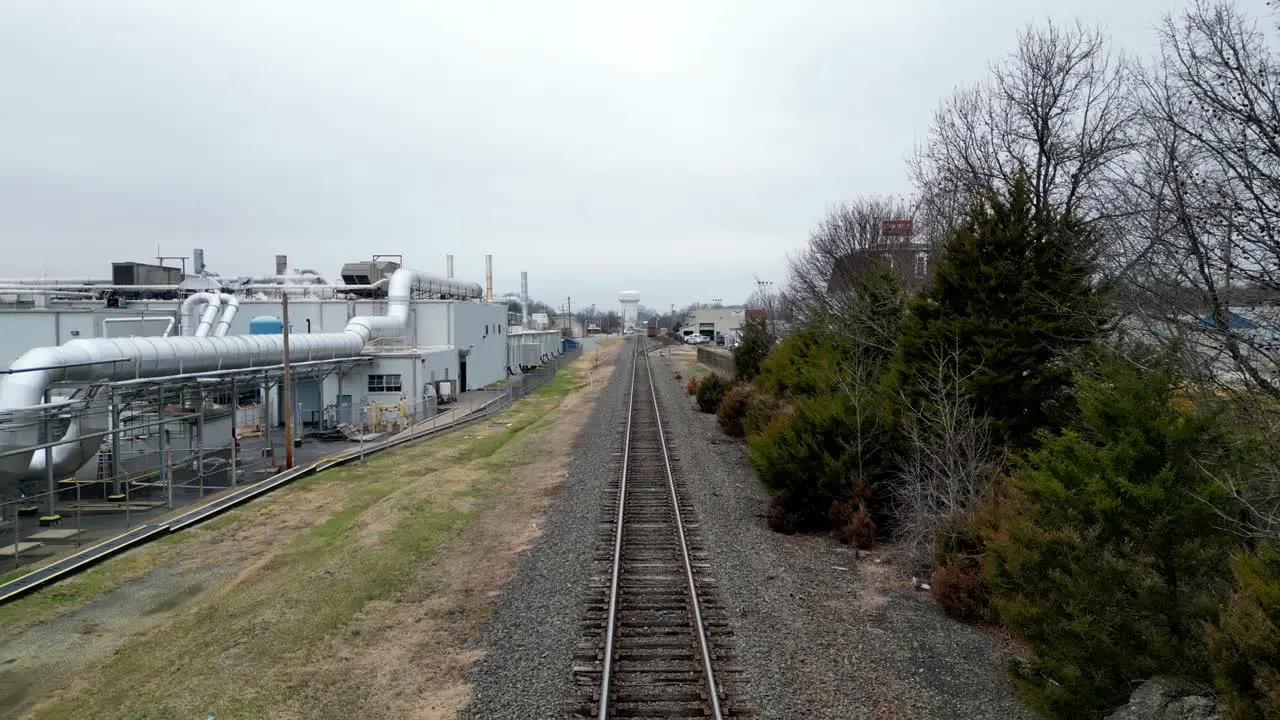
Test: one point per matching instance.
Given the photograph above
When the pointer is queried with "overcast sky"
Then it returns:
(675, 148)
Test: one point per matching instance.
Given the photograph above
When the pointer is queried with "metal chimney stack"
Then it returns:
(197, 261)
(524, 298)
(488, 278)
(448, 266)
(282, 264)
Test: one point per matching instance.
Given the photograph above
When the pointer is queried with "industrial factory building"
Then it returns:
(153, 346)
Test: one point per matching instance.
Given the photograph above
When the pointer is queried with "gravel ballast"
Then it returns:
(530, 638)
(820, 633)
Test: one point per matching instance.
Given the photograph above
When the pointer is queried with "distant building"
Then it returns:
(568, 324)
(908, 261)
(714, 323)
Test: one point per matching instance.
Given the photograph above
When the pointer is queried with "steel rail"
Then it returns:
(712, 688)
(703, 644)
(607, 670)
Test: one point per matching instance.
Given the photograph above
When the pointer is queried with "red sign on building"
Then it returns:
(896, 228)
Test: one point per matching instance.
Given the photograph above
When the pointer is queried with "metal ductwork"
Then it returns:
(304, 278)
(209, 317)
(230, 306)
(98, 360)
(187, 312)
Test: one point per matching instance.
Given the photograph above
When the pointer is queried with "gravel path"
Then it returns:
(821, 634)
(530, 638)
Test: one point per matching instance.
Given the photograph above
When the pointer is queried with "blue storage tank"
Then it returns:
(266, 325)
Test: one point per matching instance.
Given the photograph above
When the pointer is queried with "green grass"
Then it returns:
(251, 652)
(565, 382)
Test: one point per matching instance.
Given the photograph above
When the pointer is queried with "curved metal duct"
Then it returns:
(106, 359)
(230, 306)
(187, 310)
(72, 452)
(209, 317)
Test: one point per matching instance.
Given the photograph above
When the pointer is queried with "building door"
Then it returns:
(462, 375)
(344, 409)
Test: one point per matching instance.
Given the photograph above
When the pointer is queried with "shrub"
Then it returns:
(1244, 646)
(802, 461)
(710, 392)
(1107, 557)
(780, 519)
(852, 523)
(732, 412)
(958, 582)
(803, 364)
(691, 387)
(960, 589)
(762, 409)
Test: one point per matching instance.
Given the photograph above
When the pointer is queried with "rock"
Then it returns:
(1168, 699)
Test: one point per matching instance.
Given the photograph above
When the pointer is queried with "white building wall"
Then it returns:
(483, 329)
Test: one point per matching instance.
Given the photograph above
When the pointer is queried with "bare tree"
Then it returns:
(1056, 110)
(847, 244)
(1202, 259)
(1205, 236)
(951, 458)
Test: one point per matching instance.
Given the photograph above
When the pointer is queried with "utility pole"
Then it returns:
(287, 382)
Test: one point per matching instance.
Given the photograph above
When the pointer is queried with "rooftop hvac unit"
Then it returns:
(368, 272)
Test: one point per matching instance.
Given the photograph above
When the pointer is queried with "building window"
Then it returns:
(384, 383)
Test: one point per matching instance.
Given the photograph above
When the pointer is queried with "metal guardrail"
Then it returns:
(89, 556)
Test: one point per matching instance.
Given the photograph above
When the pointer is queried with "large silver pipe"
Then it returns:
(55, 281)
(88, 361)
(230, 306)
(299, 279)
(89, 287)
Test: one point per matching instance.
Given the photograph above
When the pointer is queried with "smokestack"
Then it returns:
(282, 264)
(488, 278)
(448, 266)
(197, 261)
(524, 298)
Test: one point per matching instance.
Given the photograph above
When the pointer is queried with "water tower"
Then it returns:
(630, 300)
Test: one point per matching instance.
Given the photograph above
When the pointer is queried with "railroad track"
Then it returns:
(656, 641)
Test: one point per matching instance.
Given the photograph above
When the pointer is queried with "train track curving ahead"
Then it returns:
(657, 643)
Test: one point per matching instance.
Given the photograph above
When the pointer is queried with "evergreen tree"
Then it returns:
(756, 343)
(1106, 554)
(1011, 296)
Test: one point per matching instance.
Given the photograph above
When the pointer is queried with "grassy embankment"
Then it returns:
(278, 631)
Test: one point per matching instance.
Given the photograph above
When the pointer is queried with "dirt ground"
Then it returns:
(350, 594)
